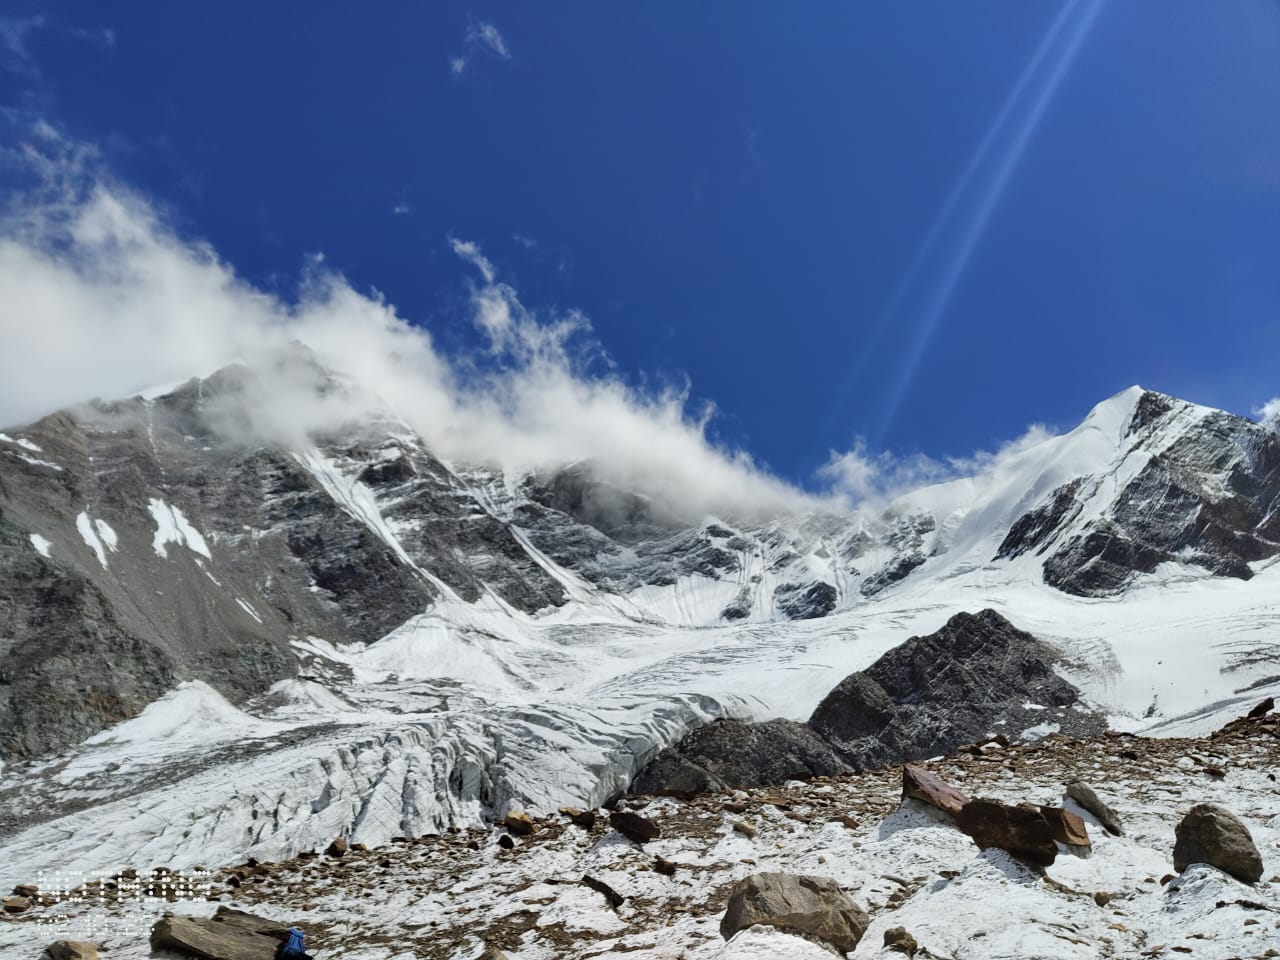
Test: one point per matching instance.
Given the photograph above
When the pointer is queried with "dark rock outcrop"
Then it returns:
(735, 753)
(927, 696)
(1214, 835)
(932, 694)
(813, 907)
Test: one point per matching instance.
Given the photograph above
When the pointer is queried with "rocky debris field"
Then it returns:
(804, 870)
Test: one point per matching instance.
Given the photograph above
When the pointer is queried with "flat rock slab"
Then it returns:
(919, 784)
(1021, 831)
(1214, 835)
(813, 906)
(1084, 795)
(227, 935)
(634, 827)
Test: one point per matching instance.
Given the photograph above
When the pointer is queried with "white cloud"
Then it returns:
(457, 65)
(1269, 414)
(401, 209)
(487, 35)
(858, 476)
(103, 298)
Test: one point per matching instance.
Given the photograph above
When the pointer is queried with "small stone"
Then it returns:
(1102, 898)
(615, 899)
(337, 848)
(664, 867)
(505, 841)
(28, 890)
(1164, 881)
(850, 822)
(746, 829)
(492, 953)
(1262, 709)
(897, 938)
(15, 904)
(521, 824)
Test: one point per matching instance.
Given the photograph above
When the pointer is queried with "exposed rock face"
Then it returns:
(735, 753)
(1216, 477)
(924, 697)
(1021, 831)
(811, 906)
(932, 694)
(1214, 835)
(228, 935)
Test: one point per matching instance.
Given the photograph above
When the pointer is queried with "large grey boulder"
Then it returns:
(1214, 835)
(814, 907)
(227, 935)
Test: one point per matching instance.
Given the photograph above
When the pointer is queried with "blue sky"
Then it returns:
(925, 224)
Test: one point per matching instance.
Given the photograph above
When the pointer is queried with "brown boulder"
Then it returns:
(14, 904)
(634, 827)
(1067, 827)
(1216, 836)
(919, 784)
(811, 906)
(1021, 831)
(227, 935)
(521, 824)
(1262, 709)
(897, 938)
(337, 848)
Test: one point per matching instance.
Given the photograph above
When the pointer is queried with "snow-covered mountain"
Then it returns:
(221, 639)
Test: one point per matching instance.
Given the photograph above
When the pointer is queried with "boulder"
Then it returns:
(1084, 795)
(227, 935)
(491, 953)
(810, 906)
(521, 824)
(634, 827)
(1021, 831)
(337, 848)
(1214, 835)
(70, 950)
(897, 938)
(919, 784)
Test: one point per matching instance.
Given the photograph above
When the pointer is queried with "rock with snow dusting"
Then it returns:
(634, 827)
(814, 907)
(1214, 835)
(70, 950)
(931, 694)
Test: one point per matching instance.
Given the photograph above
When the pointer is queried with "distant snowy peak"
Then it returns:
(1186, 484)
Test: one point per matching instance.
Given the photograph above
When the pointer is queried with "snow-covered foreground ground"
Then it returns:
(444, 897)
(469, 709)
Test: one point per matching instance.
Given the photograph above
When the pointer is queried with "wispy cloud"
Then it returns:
(860, 476)
(402, 209)
(15, 55)
(1269, 413)
(480, 37)
(487, 35)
